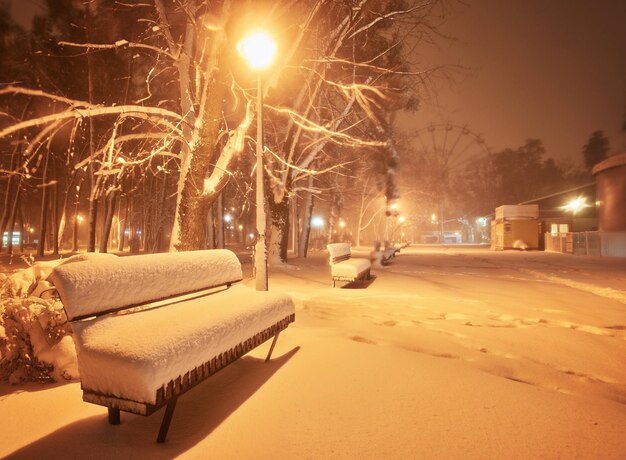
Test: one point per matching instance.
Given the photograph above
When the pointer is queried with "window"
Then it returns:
(559, 228)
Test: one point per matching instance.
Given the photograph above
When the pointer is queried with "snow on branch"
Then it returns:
(310, 126)
(119, 44)
(383, 70)
(311, 172)
(38, 93)
(383, 17)
(136, 111)
(234, 146)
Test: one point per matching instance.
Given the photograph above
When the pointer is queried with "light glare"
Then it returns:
(576, 204)
(317, 222)
(258, 49)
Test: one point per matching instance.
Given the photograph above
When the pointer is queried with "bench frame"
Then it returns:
(364, 275)
(168, 394)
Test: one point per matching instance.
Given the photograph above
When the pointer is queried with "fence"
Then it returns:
(587, 243)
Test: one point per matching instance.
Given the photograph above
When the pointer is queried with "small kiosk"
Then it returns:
(515, 227)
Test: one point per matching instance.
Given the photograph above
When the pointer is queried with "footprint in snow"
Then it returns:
(358, 338)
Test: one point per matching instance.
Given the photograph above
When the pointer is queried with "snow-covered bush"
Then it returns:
(35, 337)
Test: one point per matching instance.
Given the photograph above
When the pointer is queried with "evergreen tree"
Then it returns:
(596, 149)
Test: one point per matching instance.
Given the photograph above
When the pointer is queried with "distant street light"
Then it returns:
(317, 222)
(576, 205)
(258, 49)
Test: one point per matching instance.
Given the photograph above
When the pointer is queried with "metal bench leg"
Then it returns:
(269, 355)
(114, 416)
(167, 418)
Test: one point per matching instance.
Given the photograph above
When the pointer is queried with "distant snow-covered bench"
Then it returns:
(345, 268)
(148, 328)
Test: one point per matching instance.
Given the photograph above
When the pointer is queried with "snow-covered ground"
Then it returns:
(447, 353)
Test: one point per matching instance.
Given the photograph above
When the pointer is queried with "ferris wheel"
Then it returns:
(448, 147)
(444, 150)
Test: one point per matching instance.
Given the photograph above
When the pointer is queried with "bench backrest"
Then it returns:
(338, 252)
(101, 285)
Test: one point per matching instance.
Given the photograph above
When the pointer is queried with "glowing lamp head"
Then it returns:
(576, 205)
(258, 49)
(401, 219)
(317, 222)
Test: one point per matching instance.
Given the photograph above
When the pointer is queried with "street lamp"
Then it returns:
(258, 49)
(576, 205)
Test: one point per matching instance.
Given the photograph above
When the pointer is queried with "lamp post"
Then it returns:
(258, 49)
(401, 220)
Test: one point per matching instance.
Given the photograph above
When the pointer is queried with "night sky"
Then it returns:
(548, 69)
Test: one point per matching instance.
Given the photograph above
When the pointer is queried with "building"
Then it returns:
(515, 226)
(610, 177)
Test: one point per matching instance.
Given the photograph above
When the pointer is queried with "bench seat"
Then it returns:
(343, 267)
(350, 268)
(132, 355)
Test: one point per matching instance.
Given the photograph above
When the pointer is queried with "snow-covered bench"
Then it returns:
(345, 268)
(148, 328)
(384, 254)
(396, 248)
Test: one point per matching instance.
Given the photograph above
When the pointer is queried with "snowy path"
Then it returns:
(456, 353)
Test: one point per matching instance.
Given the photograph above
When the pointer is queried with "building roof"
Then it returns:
(611, 162)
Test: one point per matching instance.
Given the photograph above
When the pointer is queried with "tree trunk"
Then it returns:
(199, 191)
(14, 208)
(122, 224)
(7, 200)
(15, 158)
(64, 213)
(359, 226)
(161, 214)
(209, 241)
(22, 228)
(306, 221)
(55, 212)
(279, 236)
(295, 230)
(43, 217)
(183, 66)
(93, 180)
(5, 212)
(108, 221)
(218, 209)
(92, 220)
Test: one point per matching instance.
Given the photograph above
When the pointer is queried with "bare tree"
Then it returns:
(191, 111)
